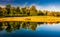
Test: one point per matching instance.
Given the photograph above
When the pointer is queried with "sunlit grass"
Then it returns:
(32, 19)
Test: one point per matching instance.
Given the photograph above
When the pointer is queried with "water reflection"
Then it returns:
(12, 26)
(33, 29)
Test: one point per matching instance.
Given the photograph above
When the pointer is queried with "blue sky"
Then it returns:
(40, 4)
(29, 2)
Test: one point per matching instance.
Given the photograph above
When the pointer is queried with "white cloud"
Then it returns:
(48, 7)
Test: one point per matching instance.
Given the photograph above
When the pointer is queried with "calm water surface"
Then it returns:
(29, 29)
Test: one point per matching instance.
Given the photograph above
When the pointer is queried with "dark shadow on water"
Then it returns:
(16, 25)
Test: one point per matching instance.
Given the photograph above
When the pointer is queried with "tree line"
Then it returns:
(9, 11)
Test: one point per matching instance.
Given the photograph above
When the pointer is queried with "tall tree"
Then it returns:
(1, 12)
(12, 11)
(33, 11)
(18, 10)
(8, 7)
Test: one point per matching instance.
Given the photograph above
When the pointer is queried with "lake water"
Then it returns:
(29, 29)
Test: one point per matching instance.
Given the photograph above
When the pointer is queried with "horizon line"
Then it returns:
(39, 7)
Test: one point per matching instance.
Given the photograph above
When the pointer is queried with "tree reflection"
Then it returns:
(1, 26)
(16, 25)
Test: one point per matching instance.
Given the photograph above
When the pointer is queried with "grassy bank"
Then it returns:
(32, 19)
